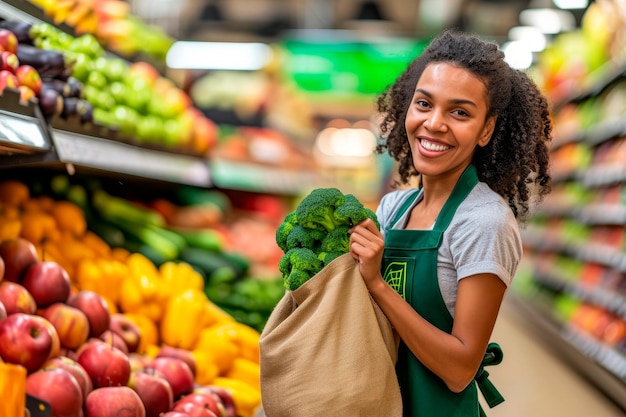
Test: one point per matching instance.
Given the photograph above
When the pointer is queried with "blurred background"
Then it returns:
(184, 131)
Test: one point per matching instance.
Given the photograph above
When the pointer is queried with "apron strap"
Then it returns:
(493, 356)
(408, 202)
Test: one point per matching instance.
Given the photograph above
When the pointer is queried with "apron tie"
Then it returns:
(493, 356)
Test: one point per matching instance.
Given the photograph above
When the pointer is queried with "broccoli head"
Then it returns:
(327, 257)
(284, 229)
(370, 214)
(297, 266)
(338, 240)
(302, 237)
(317, 210)
(351, 211)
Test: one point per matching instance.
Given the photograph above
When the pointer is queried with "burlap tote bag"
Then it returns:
(328, 350)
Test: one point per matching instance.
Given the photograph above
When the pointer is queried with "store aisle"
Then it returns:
(535, 382)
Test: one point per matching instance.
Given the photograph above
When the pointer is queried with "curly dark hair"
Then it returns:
(515, 161)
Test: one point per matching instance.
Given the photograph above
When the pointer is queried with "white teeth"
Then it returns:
(430, 146)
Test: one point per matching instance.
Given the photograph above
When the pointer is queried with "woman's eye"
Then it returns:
(421, 103)
(460, 113)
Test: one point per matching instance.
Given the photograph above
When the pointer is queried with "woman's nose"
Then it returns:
(435, 121)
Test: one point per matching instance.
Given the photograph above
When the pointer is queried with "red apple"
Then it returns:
(144, 70)
(26, 94)
(206, 400)
(57, 387)
(95, 308)
(68, 353)
(47, 282)
(29, 77)
(114, 339)
(16, 299)
(56, 341)
(114, 401)
(3, 312)
(138, 361)
(129, 331)
(1, 269)
(18, 253)
(9, 62)
(8, 41)
(74, 368)
(71, 324)
(25, 340)
(153, 389)
(194, 410)
(177, 373)
(225, 395)
(8, 79)
(175, 414)
(107, 366)
(173, 352)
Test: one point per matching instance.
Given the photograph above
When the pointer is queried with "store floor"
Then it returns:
(535, 382)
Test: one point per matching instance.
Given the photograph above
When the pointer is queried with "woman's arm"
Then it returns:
(454, 357)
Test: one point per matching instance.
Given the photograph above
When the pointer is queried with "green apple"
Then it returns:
(116, 69)
(126, 118)
(150, 128)
(97, 79)
(119, 91)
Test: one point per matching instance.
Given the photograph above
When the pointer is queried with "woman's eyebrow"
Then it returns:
(458, 101)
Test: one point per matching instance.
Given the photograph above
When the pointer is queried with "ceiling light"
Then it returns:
(517, 54)
(548, 21)
(218, 55)
(530, 36)
(571, 4)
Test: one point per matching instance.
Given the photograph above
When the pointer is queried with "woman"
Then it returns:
(476, 132)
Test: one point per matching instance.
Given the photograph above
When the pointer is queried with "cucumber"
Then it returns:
(211, 264)
(111, 207)
(200, 238)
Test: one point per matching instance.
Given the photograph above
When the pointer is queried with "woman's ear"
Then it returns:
(488, 129)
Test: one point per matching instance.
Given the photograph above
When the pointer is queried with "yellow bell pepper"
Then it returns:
(102, 276)
(143, 290)
(247, 399)
(185, 315)
(206, 368)
(221, 348)
(148, 328)
(180, 277)
(13, 389)
(247, 371)
(245, 337)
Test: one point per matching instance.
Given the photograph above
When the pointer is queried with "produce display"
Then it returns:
(316, 233)
(73, 78)
(111, 22)
(138, 334)
(572, 277)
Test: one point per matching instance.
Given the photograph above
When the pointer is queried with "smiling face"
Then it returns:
(446, 120)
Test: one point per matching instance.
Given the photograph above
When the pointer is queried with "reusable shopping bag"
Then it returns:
(328, 350)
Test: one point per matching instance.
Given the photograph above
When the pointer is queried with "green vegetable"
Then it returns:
(316, 233)
(297, 266)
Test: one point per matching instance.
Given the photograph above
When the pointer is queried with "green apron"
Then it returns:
(410, 267)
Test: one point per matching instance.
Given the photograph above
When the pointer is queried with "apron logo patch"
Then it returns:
(395, 276)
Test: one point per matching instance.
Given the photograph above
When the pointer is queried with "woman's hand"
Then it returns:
(366, 246)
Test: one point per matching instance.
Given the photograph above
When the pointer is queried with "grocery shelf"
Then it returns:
(26, 11)
(247, 176)
(605, 367)
(114, 156)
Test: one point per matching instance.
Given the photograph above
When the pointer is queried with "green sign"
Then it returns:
(348, 67)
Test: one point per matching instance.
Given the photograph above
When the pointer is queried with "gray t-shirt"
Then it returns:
(483, 237)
